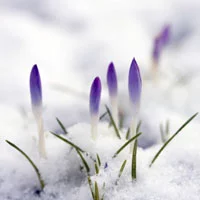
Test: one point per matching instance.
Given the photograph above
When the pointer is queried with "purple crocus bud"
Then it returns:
(112, 80)
(95, 95)
(35, 88)
(134, 84)
(165, 34)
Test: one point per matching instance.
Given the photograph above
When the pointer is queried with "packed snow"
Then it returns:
(72, 42)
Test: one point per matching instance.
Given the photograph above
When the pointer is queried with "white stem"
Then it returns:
(94, 124)
(41, 145)
(114, 106)
(133, 128)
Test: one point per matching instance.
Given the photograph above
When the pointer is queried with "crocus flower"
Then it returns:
(35, 89)
(95, 96)
(112, 80)
(36, 100)
(135, 87)
(134, 84)
(112, 89)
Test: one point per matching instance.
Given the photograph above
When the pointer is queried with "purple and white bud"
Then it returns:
(95, 97)
(36, 101)
(113, 91)
(135, 88)
(36, 90)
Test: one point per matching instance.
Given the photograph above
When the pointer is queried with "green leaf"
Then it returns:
(96, 168)
(84, 162)
(134, 161)
(122, 168)
(42, 184)
(90, 186)
(62, 126)
(103, 115)
(112, 122)
(123, 146)
(171, 138)
(96, 191)
(98, 160)
(138, 126)
(128, 134)
(67, 141)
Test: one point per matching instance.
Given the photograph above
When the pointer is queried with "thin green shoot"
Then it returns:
(113, 122)
(62, 126)
(122, 168)
(96, 168)
(96, 191)
(138, 126)
(121, 120)
(134, 161)
(98, 160)
(84, 162)
(171, 138)
(128, 134)
(103, 115)
(67, 141)
(42, 184)
(126, 143)
(90, 186)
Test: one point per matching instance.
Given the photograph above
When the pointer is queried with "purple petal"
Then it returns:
(134, 83)
(95, 95)
(165, 34)
(112, 80)
(35, 87)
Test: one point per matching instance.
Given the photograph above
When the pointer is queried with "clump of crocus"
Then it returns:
(112, 89)
(36, 100)
(95, 96)
(160, 42)
(135, 88)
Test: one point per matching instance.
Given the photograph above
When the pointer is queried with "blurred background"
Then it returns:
(72, 41)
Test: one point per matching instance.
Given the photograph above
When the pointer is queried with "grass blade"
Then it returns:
(128, 134)
(103, 115)
(96, 168)
(112, 122)
(96, 191)
(61, 125)
(90, 186)
(122, 168)
(134, 161)
(123, 146)
(67, 141)
(84, 162)
(42, 184)
(171, 138)
(138, 126)
(98, 160)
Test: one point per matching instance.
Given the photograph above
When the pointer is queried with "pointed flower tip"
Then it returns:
(134, 83)
(165, 34)
(95, 96)
(35, 87)
(112, 80)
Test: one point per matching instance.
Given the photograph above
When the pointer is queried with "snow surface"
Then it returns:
(72, 42)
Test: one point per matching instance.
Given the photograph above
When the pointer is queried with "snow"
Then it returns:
(72, 42)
